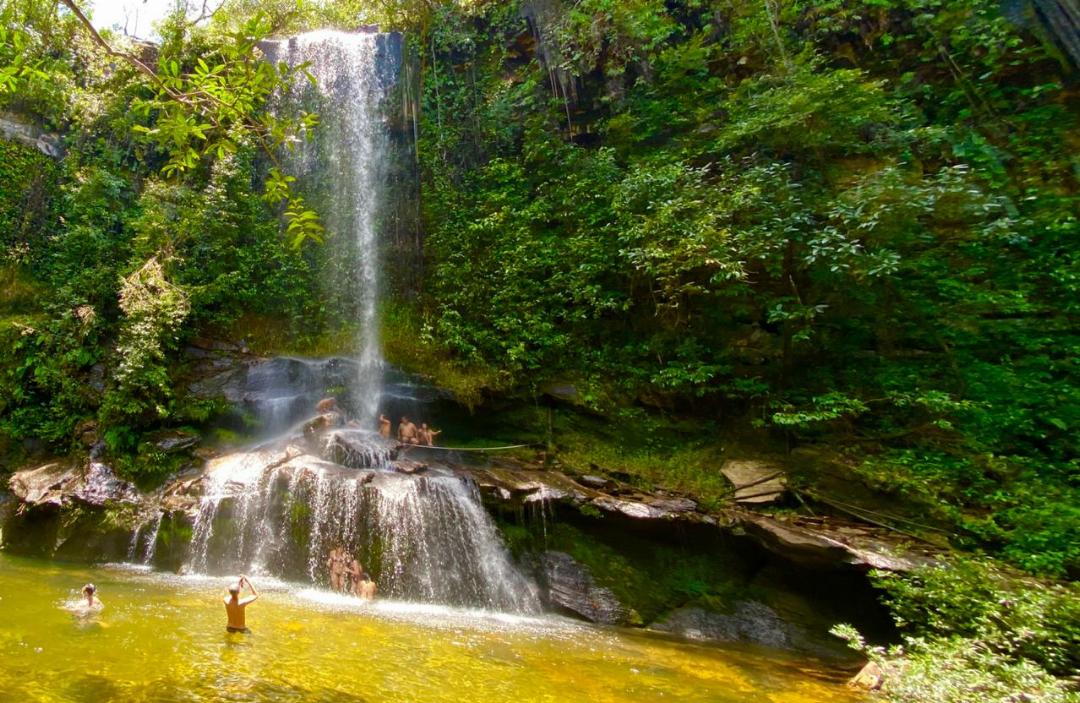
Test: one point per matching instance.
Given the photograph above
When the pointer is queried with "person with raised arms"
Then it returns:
(235, 605)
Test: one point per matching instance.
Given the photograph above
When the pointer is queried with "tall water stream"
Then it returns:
(280, 508)
(346, 163)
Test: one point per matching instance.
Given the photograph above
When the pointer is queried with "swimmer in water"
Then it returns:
(88, 605)
(89, 592)
(234, 605)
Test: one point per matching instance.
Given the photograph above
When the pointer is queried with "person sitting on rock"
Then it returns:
(384, 426)
(428, 435)
(406, 432)
(327, 405)
(234, 605)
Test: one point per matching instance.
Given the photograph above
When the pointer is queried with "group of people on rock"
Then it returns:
(408, 432)
(347, 576)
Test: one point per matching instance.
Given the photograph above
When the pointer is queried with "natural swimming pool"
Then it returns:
(162, 638)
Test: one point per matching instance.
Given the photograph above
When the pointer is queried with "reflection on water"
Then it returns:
(162, 638)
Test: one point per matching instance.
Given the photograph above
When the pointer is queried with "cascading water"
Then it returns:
(346, 163)
(281, 508)
(424, 538)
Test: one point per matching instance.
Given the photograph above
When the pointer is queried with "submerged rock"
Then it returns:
(749, 621)
(571, 586)
(409, 466)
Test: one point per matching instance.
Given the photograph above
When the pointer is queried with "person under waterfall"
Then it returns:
(337, 567)
(362, 585)
(356, 578)
(384, 426)
(235, 606)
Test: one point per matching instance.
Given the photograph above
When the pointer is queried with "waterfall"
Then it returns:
(345, 165)
(281, 508)
(425, 538)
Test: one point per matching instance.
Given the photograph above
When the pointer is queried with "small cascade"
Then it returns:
(145, 535)
(357, 449)
(422, 537)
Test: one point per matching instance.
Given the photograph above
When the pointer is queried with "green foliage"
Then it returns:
(154, 311)
(28, 180)
(1018, 616)
(972, 627)
(847, 222)
(147, 231)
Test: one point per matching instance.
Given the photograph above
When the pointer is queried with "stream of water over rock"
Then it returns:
(425, 538)
(346, 162)
(281, 508)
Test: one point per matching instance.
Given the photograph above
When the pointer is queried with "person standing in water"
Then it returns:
(92, 605)
(234, 605)
(335, 566)
(384, 426)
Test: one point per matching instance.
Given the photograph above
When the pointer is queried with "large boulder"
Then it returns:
(571, 588)
(748, 621)
(48, 484)
(59, 484)
(100, 486)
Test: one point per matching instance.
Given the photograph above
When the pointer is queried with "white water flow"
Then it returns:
(280, 509)
(423, 538)
(347, 162)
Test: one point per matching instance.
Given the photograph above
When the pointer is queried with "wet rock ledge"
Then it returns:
(823, 542)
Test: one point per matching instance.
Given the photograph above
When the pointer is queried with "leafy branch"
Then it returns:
(209, 109)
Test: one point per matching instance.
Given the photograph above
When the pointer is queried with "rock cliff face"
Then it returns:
(814, 542)
(571, 588)
(17, 129)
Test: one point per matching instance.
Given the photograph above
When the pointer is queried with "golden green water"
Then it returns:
(162, 638)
